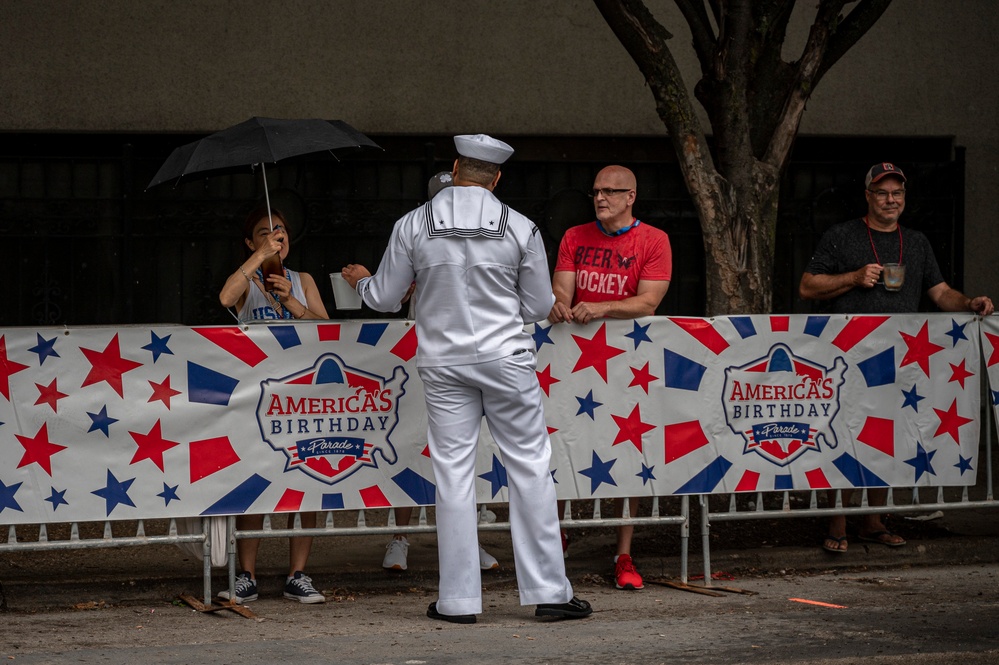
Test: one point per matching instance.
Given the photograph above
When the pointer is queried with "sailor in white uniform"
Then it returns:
(481, 272)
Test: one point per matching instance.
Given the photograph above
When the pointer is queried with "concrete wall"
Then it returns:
(515, 67)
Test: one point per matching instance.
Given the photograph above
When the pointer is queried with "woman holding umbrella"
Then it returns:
(290, 295)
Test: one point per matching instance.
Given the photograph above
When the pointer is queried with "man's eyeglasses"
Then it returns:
(883, 194)
(607, 192)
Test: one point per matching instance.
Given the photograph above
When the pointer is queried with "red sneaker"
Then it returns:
(625, 575)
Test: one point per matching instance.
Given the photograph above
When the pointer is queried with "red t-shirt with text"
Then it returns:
(610, 267)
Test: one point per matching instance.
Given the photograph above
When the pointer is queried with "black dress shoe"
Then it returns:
(574, 609)
(453, 618)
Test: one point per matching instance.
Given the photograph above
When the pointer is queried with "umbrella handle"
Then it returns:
(267, 196)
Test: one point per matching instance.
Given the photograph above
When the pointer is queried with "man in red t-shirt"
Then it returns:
(615, 267)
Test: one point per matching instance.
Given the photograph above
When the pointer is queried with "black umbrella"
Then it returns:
(259, 141)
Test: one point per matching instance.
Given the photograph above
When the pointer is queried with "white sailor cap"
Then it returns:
(482, 147)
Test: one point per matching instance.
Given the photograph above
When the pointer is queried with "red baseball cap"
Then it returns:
(881, 171)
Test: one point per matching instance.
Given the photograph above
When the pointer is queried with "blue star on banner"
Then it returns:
(169, 494)
(57, 499)
(639, 334)
(646, 474)
(587, 405)
(101, 421)
(963, 463)
(115, 492)
(45, 349)
(158, 346)
(912, 398)
(956, 332)
(995, 398)
(921, 462)
(599, 472)
(496, 477)
(7, 499)
(541, 336)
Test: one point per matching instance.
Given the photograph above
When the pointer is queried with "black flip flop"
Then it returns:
(878, 538)
(834, 550)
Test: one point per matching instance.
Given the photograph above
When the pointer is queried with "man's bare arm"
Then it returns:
(951, 300)
(826, 287)
(643, 303)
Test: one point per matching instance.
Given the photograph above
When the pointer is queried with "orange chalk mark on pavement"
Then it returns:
(818, 602)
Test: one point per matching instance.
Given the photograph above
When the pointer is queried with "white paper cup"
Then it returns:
(344, 296)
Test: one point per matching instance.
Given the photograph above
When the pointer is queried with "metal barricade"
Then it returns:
(173, 536)
(361, 528)
(915, 504)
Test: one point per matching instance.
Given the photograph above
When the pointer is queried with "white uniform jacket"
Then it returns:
(481, 273)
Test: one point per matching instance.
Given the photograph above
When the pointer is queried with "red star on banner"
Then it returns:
(959, 373)
(162, 391)
(39, 449)
(7, 369)
(642, 377)
(920, 349)
(993, 357)
(108, 365)
(631, 428)
(595, 352)
(152, 446)
(546, 379)
(49, 395)
(950, 422)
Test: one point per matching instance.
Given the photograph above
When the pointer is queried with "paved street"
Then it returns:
(918, 609)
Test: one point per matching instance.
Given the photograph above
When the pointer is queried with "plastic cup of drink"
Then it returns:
(894, 276)
(344, 296)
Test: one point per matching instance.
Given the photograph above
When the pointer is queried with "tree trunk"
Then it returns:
(754, 102)
(739, 245)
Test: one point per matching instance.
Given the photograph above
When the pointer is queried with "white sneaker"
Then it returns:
(486, 560)
(395, 555)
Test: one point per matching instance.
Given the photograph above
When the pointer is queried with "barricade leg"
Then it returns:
(684, 536)
(230, 526)
(706, 536)
(206, 560)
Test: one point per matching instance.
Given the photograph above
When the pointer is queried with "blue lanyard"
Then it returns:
(619, 231)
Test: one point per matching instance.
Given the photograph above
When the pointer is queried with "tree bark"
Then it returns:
(754, 101)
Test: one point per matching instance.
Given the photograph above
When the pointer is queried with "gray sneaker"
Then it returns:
(299, 587)
(246, 589)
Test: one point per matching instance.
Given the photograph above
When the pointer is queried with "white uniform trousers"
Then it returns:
(506, 391)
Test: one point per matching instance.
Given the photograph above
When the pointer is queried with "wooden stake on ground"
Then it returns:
(228, 605)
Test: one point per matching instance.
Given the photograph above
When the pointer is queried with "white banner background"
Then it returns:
(168, 421)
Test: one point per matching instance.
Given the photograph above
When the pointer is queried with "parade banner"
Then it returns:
(990, 349)
(668, 406)
(174, 421)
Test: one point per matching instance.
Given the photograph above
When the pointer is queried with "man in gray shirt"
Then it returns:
(848, 269)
